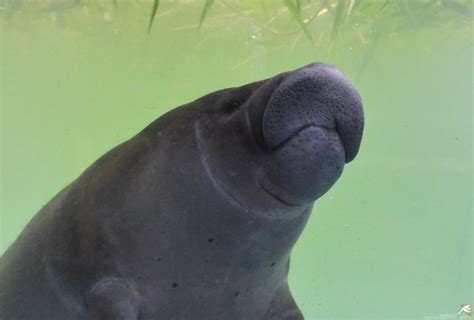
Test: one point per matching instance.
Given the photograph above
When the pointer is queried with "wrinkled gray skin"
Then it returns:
(195, 217)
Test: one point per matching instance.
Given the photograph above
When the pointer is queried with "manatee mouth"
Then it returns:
(305, 166)
(309, 123)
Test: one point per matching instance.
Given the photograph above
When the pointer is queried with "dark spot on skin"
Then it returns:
(210, 240)
(272, 265)
(158, 259)
(236, 294)
(174, 285)
(247, 290)
(162, 232)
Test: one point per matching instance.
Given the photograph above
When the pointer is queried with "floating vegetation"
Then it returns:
(156, 3)
(294, 7)
(206, 8)
(361, 23)
(415, 12)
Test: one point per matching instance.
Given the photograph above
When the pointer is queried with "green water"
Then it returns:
(391, 240)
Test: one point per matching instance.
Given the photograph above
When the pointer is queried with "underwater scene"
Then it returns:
(392, 239)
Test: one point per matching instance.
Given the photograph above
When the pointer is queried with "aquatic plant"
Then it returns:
(321, 22)
(416, 13)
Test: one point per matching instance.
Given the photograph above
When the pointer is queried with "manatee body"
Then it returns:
(195, 217)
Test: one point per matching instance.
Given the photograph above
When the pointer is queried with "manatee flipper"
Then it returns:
(112, 299)
(283, 306)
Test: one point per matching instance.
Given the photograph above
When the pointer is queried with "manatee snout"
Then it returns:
(309, 122)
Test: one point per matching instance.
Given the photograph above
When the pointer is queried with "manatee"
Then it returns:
(194, 217)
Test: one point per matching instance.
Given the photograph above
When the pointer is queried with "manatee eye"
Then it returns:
(232, 105)
(230, 100)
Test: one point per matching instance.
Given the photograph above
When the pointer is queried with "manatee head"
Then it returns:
(281, 142)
